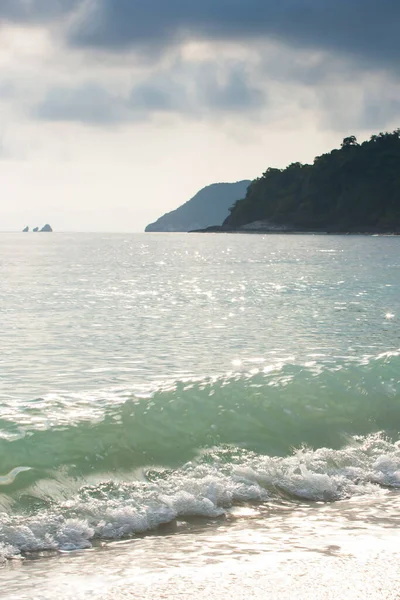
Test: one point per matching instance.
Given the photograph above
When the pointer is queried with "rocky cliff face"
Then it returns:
(210, 206)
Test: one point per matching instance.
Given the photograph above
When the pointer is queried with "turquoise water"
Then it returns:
(150, 379)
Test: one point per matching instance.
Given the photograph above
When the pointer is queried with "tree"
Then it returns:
(349, 141)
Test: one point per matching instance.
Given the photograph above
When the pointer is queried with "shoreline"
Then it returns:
(343, 550)
(299, 232)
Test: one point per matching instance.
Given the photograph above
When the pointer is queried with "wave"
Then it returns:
(315, 432)
(267, 412)
(220, 479)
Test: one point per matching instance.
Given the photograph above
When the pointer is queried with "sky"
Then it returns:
(113, 112)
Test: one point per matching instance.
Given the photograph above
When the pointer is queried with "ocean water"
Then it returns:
(208, 405)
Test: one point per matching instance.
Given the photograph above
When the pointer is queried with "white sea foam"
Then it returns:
(115, 510)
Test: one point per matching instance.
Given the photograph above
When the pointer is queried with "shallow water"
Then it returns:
(211, 390)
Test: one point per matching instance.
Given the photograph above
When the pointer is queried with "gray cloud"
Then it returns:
(156, 95)
(90, 104)
(33, 11)
(359, 108)
(326, 46)
(225, 90)
(198, 90)
(379, 112)
(235, 92)
(365, 29)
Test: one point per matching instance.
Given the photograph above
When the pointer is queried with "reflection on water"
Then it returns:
(83, 312)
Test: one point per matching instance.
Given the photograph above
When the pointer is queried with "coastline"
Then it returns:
(218, 229)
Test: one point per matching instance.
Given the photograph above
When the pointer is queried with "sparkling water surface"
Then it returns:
(88, 312)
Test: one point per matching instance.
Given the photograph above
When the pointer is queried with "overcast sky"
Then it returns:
(116, 111)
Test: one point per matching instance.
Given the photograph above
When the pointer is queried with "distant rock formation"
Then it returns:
(46, 228)
(210, 206)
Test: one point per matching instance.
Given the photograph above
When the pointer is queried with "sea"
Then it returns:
(199, 416)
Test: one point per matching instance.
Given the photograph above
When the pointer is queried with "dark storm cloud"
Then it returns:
(323, 45)
(367, 29)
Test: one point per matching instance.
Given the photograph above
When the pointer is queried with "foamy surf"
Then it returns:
(209, 487)
(197, 449)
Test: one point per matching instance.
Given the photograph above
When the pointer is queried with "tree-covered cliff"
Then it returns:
(210, 206)
(355, 188)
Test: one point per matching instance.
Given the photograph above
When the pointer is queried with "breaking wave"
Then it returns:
(197, 449)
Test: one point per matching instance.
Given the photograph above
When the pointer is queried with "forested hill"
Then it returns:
(353, 189)
(210, 206)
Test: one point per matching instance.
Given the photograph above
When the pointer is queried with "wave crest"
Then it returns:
(208, 488)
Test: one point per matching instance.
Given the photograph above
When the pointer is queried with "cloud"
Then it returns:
(89, 104)
(364, 29)
(368, 104)
(379, 111)
(227, 91)
(221, 60)
(7, 89)
(34, 11)
(158, 95)
(234, 92)
(195, 90)
(200, 87)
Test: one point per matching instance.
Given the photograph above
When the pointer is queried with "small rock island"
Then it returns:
(46, 228)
